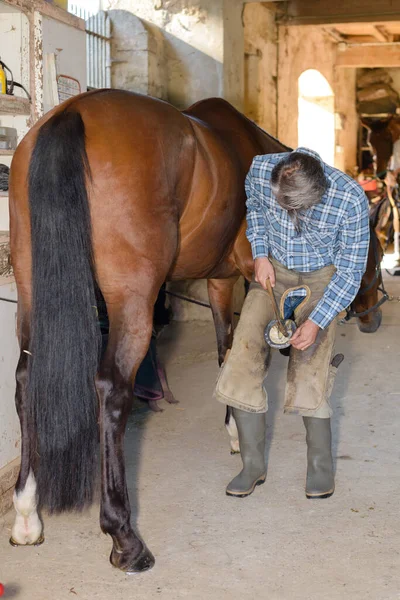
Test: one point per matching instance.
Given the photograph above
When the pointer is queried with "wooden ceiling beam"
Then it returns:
(360, 39)
(378, 33)
(368, 56)
(334, 34)
(310, 12)
(381, 34)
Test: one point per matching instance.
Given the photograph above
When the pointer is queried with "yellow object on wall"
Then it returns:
(61, 3)
(3, 81)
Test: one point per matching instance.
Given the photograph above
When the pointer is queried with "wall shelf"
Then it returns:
(14, 105)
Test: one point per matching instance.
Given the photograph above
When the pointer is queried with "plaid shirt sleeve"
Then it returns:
(350, 263)
(256, 224)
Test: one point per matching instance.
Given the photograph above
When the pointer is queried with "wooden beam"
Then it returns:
(55, 12)
(379, 33)
(389, 36)
(369, 56)
(310, 12)
(334, 34)
(360, 39)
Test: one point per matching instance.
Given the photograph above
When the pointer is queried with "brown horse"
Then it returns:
(114, 193)
(366, 305)
(383, 133)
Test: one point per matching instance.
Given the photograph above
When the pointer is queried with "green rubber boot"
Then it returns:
(251, 429)
(320, 479)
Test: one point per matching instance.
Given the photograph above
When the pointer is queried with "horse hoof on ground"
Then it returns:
(16, 544)
(373, 325)
(144, 562)
(235, 448)
(170, 398)
(153, 405)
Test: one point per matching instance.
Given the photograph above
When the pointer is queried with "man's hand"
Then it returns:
(305, 335)
(263, 271)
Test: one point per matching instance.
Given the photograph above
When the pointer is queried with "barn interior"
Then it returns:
(323, 75)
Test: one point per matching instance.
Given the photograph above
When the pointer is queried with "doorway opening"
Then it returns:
(316, 124)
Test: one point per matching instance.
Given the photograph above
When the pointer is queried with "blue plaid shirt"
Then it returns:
(334, 231)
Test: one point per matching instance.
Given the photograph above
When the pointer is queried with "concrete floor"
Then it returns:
(275, 544)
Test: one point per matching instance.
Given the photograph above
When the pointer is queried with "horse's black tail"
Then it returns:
(65, 336)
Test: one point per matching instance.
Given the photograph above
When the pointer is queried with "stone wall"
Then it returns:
(184, 39)
(138, 55)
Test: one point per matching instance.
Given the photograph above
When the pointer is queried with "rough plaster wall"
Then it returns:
(261, 55)
(129, 52)
(347, 119)
(192, 76)
(69, 46)
(9, 352)
(192, 46)
(157, 63)
(11, 43)
(196, 22)
(138, 55)
(300, 48)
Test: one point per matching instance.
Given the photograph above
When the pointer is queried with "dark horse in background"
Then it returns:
(382, 135)
(113, 194)
(385, 213)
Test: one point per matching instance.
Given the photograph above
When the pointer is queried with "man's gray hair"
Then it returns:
(298, 182)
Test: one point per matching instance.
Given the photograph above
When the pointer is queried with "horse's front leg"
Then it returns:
(130, 331)
(220, 293)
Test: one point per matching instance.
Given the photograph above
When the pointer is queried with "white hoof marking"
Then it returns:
(233, 434)
(27, 528)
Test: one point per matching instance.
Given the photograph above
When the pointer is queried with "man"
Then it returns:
(309, 231)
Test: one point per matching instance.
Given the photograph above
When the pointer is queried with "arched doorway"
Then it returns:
(316, 124)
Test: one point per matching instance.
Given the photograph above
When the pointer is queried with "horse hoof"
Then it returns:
(144, 562)
(153, 405)
(170, 398)
(38, 542)
(235, 446)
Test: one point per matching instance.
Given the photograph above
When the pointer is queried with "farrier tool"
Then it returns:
(279, 331)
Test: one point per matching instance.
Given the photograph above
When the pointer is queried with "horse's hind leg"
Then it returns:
(220, 293)
(130, 317)
(27, 529)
